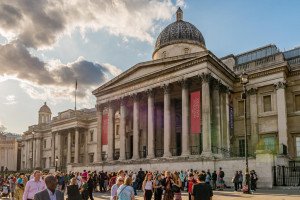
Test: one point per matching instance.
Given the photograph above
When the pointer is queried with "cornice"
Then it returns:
(268, 72)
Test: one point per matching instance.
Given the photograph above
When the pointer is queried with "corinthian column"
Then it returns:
(53, 150)
(135, 127)
(98, 153)
(122, 129)
(38, 153)
(76, 146)
(206, 127)
(281, 113)
(185, 118)
(150, 124)
(167, 121)
(110, 137)
(69, 148)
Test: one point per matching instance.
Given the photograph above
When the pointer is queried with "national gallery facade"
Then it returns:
(182, 107)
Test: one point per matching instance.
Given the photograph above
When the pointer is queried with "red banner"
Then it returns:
(104, 132)
(195, 112)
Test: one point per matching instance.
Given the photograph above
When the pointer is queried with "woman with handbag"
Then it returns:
(176, 185)
(148, 187)
(125, 191)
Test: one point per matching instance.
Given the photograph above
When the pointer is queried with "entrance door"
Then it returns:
(131, 146)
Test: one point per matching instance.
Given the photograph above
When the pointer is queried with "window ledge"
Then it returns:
(267, 114)
(295, 113)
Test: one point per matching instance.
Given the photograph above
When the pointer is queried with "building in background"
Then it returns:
(181, 110)
(9, 149)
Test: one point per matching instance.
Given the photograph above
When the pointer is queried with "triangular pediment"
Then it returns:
(142, 70)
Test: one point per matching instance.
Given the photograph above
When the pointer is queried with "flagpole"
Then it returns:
(75, 95)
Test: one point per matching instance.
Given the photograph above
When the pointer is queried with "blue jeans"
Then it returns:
(134, 185)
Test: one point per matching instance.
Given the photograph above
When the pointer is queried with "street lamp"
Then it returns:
(56, 161)
(32, 148)
(244, 80)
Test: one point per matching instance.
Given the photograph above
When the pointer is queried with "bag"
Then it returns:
(232, 180)
(222, 174)
(175, 189)
(121, 192)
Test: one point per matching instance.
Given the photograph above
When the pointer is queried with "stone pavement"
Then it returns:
(275, 194)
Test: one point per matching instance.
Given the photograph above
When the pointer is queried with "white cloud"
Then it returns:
(10, 100)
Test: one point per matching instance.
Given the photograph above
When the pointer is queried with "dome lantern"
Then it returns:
(179, 14)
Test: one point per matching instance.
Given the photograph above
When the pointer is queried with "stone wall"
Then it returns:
(262, 164)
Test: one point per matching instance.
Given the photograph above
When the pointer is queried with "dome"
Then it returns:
(45, 109)
(179, 32)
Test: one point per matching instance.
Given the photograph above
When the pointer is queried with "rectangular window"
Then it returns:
(50, 163)
(45, 144)
(269, 143)
(73, 139)
(91, 158)
(298, 146)
(297, 102)
(241, 148)
(267, 103)
(72, 159)
(91, 135)
(241, 108)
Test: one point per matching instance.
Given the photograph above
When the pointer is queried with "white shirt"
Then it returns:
(51, 195)
(148, 185)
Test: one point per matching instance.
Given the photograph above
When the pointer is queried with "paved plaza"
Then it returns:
(275, 194)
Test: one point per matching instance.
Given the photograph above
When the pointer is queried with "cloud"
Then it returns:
(10, 100)
(39, 24)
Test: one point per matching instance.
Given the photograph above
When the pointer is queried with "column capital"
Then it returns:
(216, 84)
(99, 107)
(205, 77)
(280, 85)
(252, 91)
(150, 92)
(166, 88)
(184, 83)
(135, 96)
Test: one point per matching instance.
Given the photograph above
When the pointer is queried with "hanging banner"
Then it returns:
(195, 112)
(104, 132)
(231, 115)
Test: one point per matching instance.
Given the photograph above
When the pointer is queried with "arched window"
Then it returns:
(164, 54)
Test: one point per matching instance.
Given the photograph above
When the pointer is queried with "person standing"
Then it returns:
(90, 183)
(214, 178)
(148, 187)
(50, 192)
(177, 184)
(182, 176)
(201, 190)
(221, 175)
(235, 180)
(12, 186)
(240, 185)
(125, 191)
(158, 188)
(208, 177)
(20, 186)
(34, 186)
(114, 188)
(73, 190)
(190, 184)
(134, 183)
(167, 183)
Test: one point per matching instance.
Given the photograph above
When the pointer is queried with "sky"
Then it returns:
(46, 45)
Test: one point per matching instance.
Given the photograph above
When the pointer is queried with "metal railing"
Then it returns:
(175, 151)
(286, 176)
(143, 154)
(116, 155)
(128, 155)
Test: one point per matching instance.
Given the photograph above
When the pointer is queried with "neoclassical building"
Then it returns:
(9, 151)
(182, 106)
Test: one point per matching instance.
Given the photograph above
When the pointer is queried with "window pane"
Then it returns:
(242, 148)
(267, 103)
(269, 143)
(298, 146)
(297, 102)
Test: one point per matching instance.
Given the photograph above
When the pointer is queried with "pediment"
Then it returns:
(143, 70)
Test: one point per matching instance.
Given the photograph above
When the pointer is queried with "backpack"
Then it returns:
(222, 174)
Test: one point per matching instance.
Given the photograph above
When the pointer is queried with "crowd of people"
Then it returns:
(122, 185)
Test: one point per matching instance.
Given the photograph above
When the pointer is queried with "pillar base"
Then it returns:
(150, 156)
(167, 155)
(185, 154)
(122, 159)
(207, 154)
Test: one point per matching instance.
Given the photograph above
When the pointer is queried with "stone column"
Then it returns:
(98, 153)
(206, 120)
(86, 153)
(76, 145)
(151, 136)
(69, 147)
(122, 130)
(281, 113)
(216, 139)
(33, 153)
(58, 145)
(227, 120)
(167, 121)
(253, 117)
(185, 118)
(26, 155)
(53, 150)
(38, 153)
(111, 135)
(136, 106)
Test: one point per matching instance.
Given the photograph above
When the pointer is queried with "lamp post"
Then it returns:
(56, 161)
(32, 149)
(244, 79)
